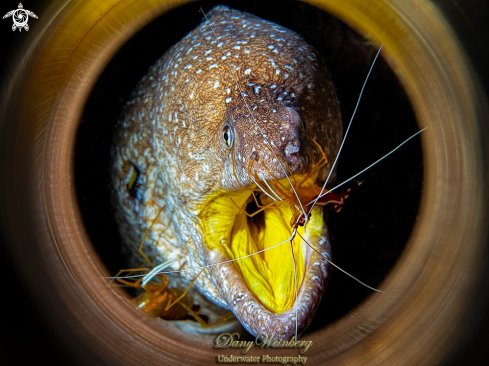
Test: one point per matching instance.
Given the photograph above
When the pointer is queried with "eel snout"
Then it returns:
(270, 142)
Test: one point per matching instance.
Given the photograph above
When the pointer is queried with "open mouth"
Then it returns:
(240, 223)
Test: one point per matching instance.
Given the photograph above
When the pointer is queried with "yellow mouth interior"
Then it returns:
(270, 274)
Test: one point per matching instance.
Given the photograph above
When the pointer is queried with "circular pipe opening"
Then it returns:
(382, 212)
(426, 294)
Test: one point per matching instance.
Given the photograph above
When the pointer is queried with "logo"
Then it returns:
(20, 17)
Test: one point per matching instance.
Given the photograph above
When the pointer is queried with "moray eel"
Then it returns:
(237, 95)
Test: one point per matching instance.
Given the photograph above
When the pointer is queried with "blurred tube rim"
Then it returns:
(32, 159)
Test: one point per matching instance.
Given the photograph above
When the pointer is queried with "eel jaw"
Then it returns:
(252, 314)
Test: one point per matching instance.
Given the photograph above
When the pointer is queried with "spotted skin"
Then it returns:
(259, 80)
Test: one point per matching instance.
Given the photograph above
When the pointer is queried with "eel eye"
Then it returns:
(134, 184)
(227, 136)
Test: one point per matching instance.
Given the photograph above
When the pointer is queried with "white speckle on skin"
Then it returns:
(228, 99)
(247, 71)
(207, 52)
(212, 66)
(228, 90)
(216, 84)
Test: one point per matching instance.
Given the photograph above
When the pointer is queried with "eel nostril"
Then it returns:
(292, 148)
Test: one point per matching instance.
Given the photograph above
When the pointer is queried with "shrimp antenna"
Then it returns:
(348, 129)
(253, 116)
(334, 265)
(292, 236)
(155, 270)
(367, 168)
(295, 288)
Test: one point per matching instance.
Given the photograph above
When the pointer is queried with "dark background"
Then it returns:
(25, 338)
